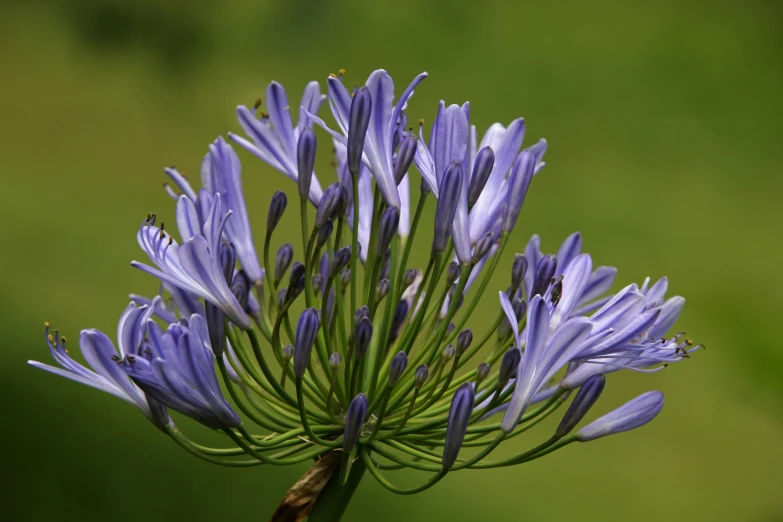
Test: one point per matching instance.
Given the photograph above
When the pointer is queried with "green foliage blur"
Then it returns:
(664, 129)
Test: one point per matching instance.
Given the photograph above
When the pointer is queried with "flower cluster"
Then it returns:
(337, 346)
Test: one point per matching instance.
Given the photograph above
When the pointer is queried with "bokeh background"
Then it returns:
(664, 125)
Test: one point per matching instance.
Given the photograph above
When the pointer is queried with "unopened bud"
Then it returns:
(482, 247)
(354, 420)
(382, 289)
(306, 330)
(482, 167)
(285, 254)
(276, 209)
(361, 338)
(464, 339)
(482, 372)
(397, 367)
(422, 372)
(305, 160)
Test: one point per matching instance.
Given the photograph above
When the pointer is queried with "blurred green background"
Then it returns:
(664, 125)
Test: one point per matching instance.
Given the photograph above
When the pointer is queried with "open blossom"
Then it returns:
(194, 266)
(387, 367)
(275, 137)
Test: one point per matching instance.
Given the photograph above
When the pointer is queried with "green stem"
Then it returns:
(334, 498)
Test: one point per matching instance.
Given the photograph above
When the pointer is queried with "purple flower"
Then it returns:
(630, 415)
(221, 173)
(274, 136)
(195, 265)
(107, 374)
(384, 119)
(547, 350)
(176, 368)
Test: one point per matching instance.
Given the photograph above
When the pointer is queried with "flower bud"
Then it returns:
(424, 187)
(382, 289)
(405, 155)
(361, 337)
(518, 183)
(482, 372)
(630, 415)
(345, 277)
(448, 199)
(282, 295)
(584, 400)
(216, 328)
(295, 280)
(390, 220)
(327, 207)
(459, 417)
(285, 254)
(385, 265)
(362, 312)
(354, 420)
(422, 372)
(400, 313)
(228, 261)
(448, 353)
(317, 281)
(398, 364)
(544, 272)
(276, 209)
(287, 353)
(305, 160)
(240, 287)
(408, 278)
(482, 167)
(483, 246)
(464, 339)
(335, 360)
(323, 234)
(341, 258)
(359, 120)
(508, 366)
(518, 271)
(306, 330)
(452, 273)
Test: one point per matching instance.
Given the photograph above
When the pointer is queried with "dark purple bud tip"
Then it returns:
(405, 155)
(518, 271)
(305, 160)
(335, 360)
(317, 281)
(276, 209)
(361, 338)
(240, 287)
(408, 278)
(584, 400)
(397, 367)
(323, 234)
(452, 273)
(382, 289)
(400, 313)
(482, 167)
(354, 420)
(390, 220)
(482, 372)
(228, 258)
(385, 265)
(287, 353)
(362, 312)
(358, 121)
(282, 296)
(285, 254)
(448, 353)
(345, 277)
(306, 330)
(448, 199)
(340, 260)
(508, 366)
(464, 339)
(519, 181)
(422, 372)
(327, 207)
(216, 327)
(483, 246)
(544, 272)
(459, 417)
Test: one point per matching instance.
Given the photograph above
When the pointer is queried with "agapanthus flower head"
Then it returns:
(348, 352)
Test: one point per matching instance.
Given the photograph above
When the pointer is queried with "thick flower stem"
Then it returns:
(331, 503)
